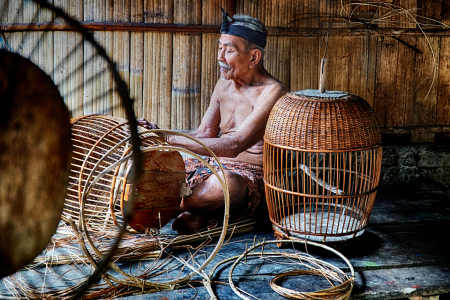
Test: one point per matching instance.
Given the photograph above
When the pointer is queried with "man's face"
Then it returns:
(233, 57)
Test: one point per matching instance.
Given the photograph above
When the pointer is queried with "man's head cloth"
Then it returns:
(245, 28)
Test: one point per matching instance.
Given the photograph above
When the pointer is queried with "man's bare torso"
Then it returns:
(237, 103)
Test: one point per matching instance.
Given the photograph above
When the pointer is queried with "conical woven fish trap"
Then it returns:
(322, 161)
(98, 182)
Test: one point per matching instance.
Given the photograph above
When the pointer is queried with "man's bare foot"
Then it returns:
(188, 223)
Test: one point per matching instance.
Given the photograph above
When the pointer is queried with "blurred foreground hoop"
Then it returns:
(35, 156)
(322, 161)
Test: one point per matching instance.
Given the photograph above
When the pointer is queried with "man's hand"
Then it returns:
(146, 124)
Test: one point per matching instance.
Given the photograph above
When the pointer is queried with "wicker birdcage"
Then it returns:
(99, 177)
(322, 161)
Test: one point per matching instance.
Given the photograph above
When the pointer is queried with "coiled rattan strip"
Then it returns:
(338, 292)
(341, 292)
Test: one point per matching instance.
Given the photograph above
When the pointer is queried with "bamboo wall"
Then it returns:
(171, 74)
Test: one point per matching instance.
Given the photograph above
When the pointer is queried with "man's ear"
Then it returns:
(255, 57)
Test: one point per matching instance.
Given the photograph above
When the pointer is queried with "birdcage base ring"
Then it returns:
(282, 233)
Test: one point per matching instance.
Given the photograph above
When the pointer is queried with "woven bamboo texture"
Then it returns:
(322, 161)
(98, 143)
(315, 123)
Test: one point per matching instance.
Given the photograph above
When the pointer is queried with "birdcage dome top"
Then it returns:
(312, 120)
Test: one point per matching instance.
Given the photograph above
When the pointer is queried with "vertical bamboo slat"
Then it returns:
(107, 90)
(443, 101)
(121, 52)
(45, 51)
(13, 12)
(386, 77)
(277, 60)
(338, 63)
(371, 69)
(68, 60)
(157, 78)
(299, 15)
(430, 9)
(358, 64)
(325, 14)
(445, 12)
(29, 43)
(398, 106)
(410, 5)
(424, 107)
(304, 63)
(186, 80)
(88, 64)
(210, 69)
(97, 79)
(158, 47)
(312, 13)
(211, 13)
(137, 59)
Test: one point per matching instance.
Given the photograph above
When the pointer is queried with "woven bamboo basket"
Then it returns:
(322, 161)
(99, 182)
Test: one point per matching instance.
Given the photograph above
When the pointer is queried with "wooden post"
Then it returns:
(323, 73)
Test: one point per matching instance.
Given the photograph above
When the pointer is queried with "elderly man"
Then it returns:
(239, 108)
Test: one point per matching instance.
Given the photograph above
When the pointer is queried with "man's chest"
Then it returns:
(234, 110)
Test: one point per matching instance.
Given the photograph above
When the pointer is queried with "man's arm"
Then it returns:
(209, 126)
(249, 132)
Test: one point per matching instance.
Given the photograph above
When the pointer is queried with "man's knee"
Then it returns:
(209, 195)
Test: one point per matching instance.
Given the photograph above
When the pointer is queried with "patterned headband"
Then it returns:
(245, 28)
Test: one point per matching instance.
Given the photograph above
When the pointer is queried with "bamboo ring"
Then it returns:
(341, 291)
(348, 283)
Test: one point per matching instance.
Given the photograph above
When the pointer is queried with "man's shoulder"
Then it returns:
(275, 85)
(274, 88)
(223, 83)
(269, 88)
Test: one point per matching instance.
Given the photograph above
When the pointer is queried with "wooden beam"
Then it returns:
(415, 129)
(278, 31)
(109, 26)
